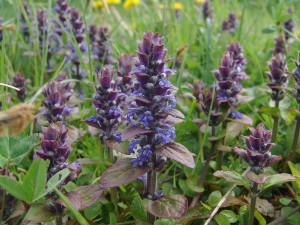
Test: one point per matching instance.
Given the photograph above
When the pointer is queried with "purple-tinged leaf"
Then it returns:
(233, 177)
(258, 179)
(88, 161)
(169, 206)
(178, 153)
(85, 196)
(233, 129)
(224, 148)
(263, 206)
(173, 120)
(131, 131)
(121, 173)
(176, 113)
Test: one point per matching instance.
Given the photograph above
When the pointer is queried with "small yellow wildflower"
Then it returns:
(161, 6)
(297, 32)
(199, 1)
(177, 6)
(99, 3)
(130, 3)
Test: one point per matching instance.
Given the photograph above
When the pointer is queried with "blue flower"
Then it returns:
(145, 118)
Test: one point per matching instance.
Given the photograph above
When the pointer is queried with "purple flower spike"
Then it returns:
(278, 76)
(56, 96)
(152, 109)
(231, 23)
(19, 81)
(126, 65)
(24, 26)
(237, 53)
(207, 11)
(107, 105)
(279, 45)
(258, 154)
(56, 148)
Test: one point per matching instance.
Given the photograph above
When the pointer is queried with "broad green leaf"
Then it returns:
(295, 172)
(35, 179)
(164, 222)
(137, 209)
(278, 179)
(285, 201)
(261, 220)
(13, 187)
(121, 173)
(222, 220)
(233, 177)
(112, 219)
(214, 198)
(169, 206)
(293, 219)
(231, 216)
(39, 213)
(192, 182)
(16, 148)
(244, 215)
(269, 29)
(271, 111)
(53, 182)
(31, 186)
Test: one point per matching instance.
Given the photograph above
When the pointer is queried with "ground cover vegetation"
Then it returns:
(149, 112)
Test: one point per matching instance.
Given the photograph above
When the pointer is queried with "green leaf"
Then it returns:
(260, 218)
(165, 222)
(244, 215)
(16, 148)
(192, 183)
(53, 182)
(214, 198)
(31, 186)
(137, 209)
(285, 201)
(295, 172)
(169, 206)
(231, 216)
(271, 111)
(293, 219)
(233, 177)
(222, 220)
(278, 179)
(35, 179)
(269, 29)
(13, 187)
(39, 213)
(112, 219)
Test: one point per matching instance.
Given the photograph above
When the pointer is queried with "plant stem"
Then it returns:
(275, 125)
(254, 191)
(220, 153)
(151, 186)
(3, 193)
(285, 216)
(205, 169)
(296, 134)
(113, 191)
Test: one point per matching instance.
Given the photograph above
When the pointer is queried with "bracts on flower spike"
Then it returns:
(151, 131)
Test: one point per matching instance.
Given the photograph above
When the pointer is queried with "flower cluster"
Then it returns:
(24, 26)
(78, 29)
(279, 45)
(277, 76)
(56, 96)
(20, 81)
(231, 23)
(100, 42)
(258, 154)
(228, 80)
(288, 28)
(106, 102)
(207, 11)
(56, 147)
(99, 3)
(153, 106)
(296, 75)
(130, 3)
(62, 10)
(125, 66)
(237, 53)
(42, 27)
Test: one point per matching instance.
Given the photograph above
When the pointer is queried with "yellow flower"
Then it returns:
(297, 32)
(99, 3)
(177, 6)
(130, 3)
(199, 1)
